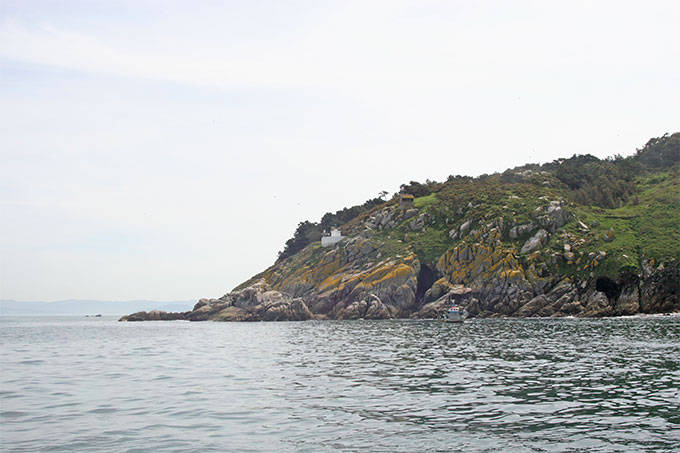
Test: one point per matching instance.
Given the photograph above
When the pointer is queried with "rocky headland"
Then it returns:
(578, 237)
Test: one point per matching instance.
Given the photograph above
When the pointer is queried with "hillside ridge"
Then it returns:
(574, 237)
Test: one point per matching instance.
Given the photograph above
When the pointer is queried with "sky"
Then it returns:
(166, 150)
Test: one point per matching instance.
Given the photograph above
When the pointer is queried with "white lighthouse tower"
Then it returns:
(334, 237)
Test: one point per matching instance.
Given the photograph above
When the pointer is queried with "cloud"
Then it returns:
(369, 48)
(274, 67)
(70, 50)
(373, 49)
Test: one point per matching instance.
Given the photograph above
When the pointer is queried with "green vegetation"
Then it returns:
(423, 202)
(417, 189)
(643, 229)
(431, 244)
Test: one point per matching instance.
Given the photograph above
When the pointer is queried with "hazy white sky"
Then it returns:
(167, 149)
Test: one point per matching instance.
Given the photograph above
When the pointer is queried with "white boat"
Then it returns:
(455, 313)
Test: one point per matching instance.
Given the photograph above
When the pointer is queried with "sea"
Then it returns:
(76, 384)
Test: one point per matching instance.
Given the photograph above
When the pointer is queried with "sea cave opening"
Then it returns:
(426, 278)
(609, 287)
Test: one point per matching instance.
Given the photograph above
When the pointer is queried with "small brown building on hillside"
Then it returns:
(405, 201)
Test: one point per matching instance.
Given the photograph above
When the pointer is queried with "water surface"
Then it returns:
(91, 384)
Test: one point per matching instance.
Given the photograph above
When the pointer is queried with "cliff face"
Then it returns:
(518, 244)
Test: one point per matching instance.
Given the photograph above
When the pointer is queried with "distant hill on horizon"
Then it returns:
(88, 307)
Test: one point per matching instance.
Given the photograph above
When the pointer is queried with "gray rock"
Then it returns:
(433, 310)
(525, 229)
(546, 222)
(410, 213)
(367, 233)
(559, 215)
(362, 309)
(155, 315)
(403, 297)
(387, 217)
(660, 289)
(365, 247)
(233, 314)
(571, 308)
(286, 309)
(441, 288)
(535, 242)
(419, 223)
(254, 303)
(533, 306)
(597, 304)
(628, 303)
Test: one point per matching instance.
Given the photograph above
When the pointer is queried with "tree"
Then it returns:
(416, 189)
(306, 233)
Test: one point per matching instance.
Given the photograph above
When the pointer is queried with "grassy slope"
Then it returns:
(645, 228)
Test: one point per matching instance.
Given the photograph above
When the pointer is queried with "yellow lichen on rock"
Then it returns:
(466, 263)
(512, 273)
(388, 273)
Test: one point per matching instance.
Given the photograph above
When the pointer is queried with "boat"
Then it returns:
(455, 313)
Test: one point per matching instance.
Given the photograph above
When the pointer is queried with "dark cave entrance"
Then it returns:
(426, 278)
(609, 287)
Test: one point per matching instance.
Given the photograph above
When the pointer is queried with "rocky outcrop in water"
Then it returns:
(488, 281)
(155, 315)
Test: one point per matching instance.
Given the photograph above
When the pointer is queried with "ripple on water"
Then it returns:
(521, 385)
